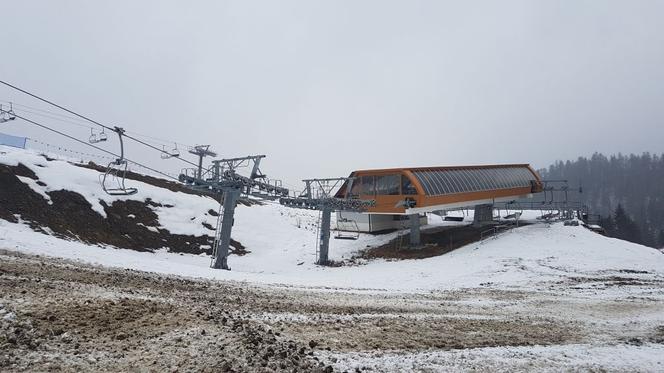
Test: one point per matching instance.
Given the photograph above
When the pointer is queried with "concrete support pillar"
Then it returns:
(414, 230)
(483, 214)
(324, 244)
(224, 237)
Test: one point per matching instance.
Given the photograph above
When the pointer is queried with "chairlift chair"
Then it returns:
(515, 214)
(347, 235)
(102, 136)
(93, 137)
(7, 115)
(175, 152)
(164, 154)
(113, 180)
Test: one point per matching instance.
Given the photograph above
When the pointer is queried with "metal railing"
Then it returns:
(493, 231)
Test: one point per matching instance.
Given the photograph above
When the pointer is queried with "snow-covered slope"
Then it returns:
(281, 242)
(186, 218)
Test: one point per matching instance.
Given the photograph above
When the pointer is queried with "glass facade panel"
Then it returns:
(488, 179)
(511, 175)
(470, 176)
(516, 179)
(478, 178)
(526, 175)
(425, 184)
(407, 187)
(428, 183)
(502, 180)
(511, 180)
(388, 185)
(439, 182)
(466, 180)
(481, 179)
(453, 182)
(356, 187)
(500, 177)
(368, 185)
(497, 177)
(446, 181)
(454, 174)
(447, 188)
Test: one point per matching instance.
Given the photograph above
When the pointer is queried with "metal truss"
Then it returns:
(318, 195)
(222, 178)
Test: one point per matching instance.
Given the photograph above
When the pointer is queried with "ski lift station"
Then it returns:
(400, 193)
(365, 201)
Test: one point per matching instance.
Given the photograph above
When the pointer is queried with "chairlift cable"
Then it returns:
(75, 121)
(93, 146)
(52, 116)
(49, 112)
(89, 120)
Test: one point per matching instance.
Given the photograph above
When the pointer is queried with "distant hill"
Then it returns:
(627, 190)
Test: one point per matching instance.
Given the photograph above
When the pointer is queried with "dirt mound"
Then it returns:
(129, 224)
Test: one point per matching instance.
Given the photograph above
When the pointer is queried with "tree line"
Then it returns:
(626, 190)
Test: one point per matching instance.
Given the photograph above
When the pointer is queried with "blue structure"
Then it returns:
(13, 141)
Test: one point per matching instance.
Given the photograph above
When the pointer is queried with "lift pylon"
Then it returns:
(223, 179)
(317, 195)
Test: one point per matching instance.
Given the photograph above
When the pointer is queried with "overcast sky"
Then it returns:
(324, 88)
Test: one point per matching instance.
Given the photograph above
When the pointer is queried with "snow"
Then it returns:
(282, 244)
(9, 317)
(283, 254)
(647, 357)
(186, 217)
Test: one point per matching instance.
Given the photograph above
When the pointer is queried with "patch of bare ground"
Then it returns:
(411, 334)
(58, 315)
(435, 242)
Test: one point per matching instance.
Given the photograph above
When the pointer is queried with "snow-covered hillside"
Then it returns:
(281, 244)
(543, 297)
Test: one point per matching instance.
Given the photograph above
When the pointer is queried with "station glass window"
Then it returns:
(356, 188)
(407, 186)
(368, 185)
(387, 185)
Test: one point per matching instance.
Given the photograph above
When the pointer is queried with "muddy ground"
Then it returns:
(57, 315)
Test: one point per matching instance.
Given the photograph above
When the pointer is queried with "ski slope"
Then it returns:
(282, 241)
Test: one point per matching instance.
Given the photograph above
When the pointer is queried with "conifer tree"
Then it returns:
(625, 227)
